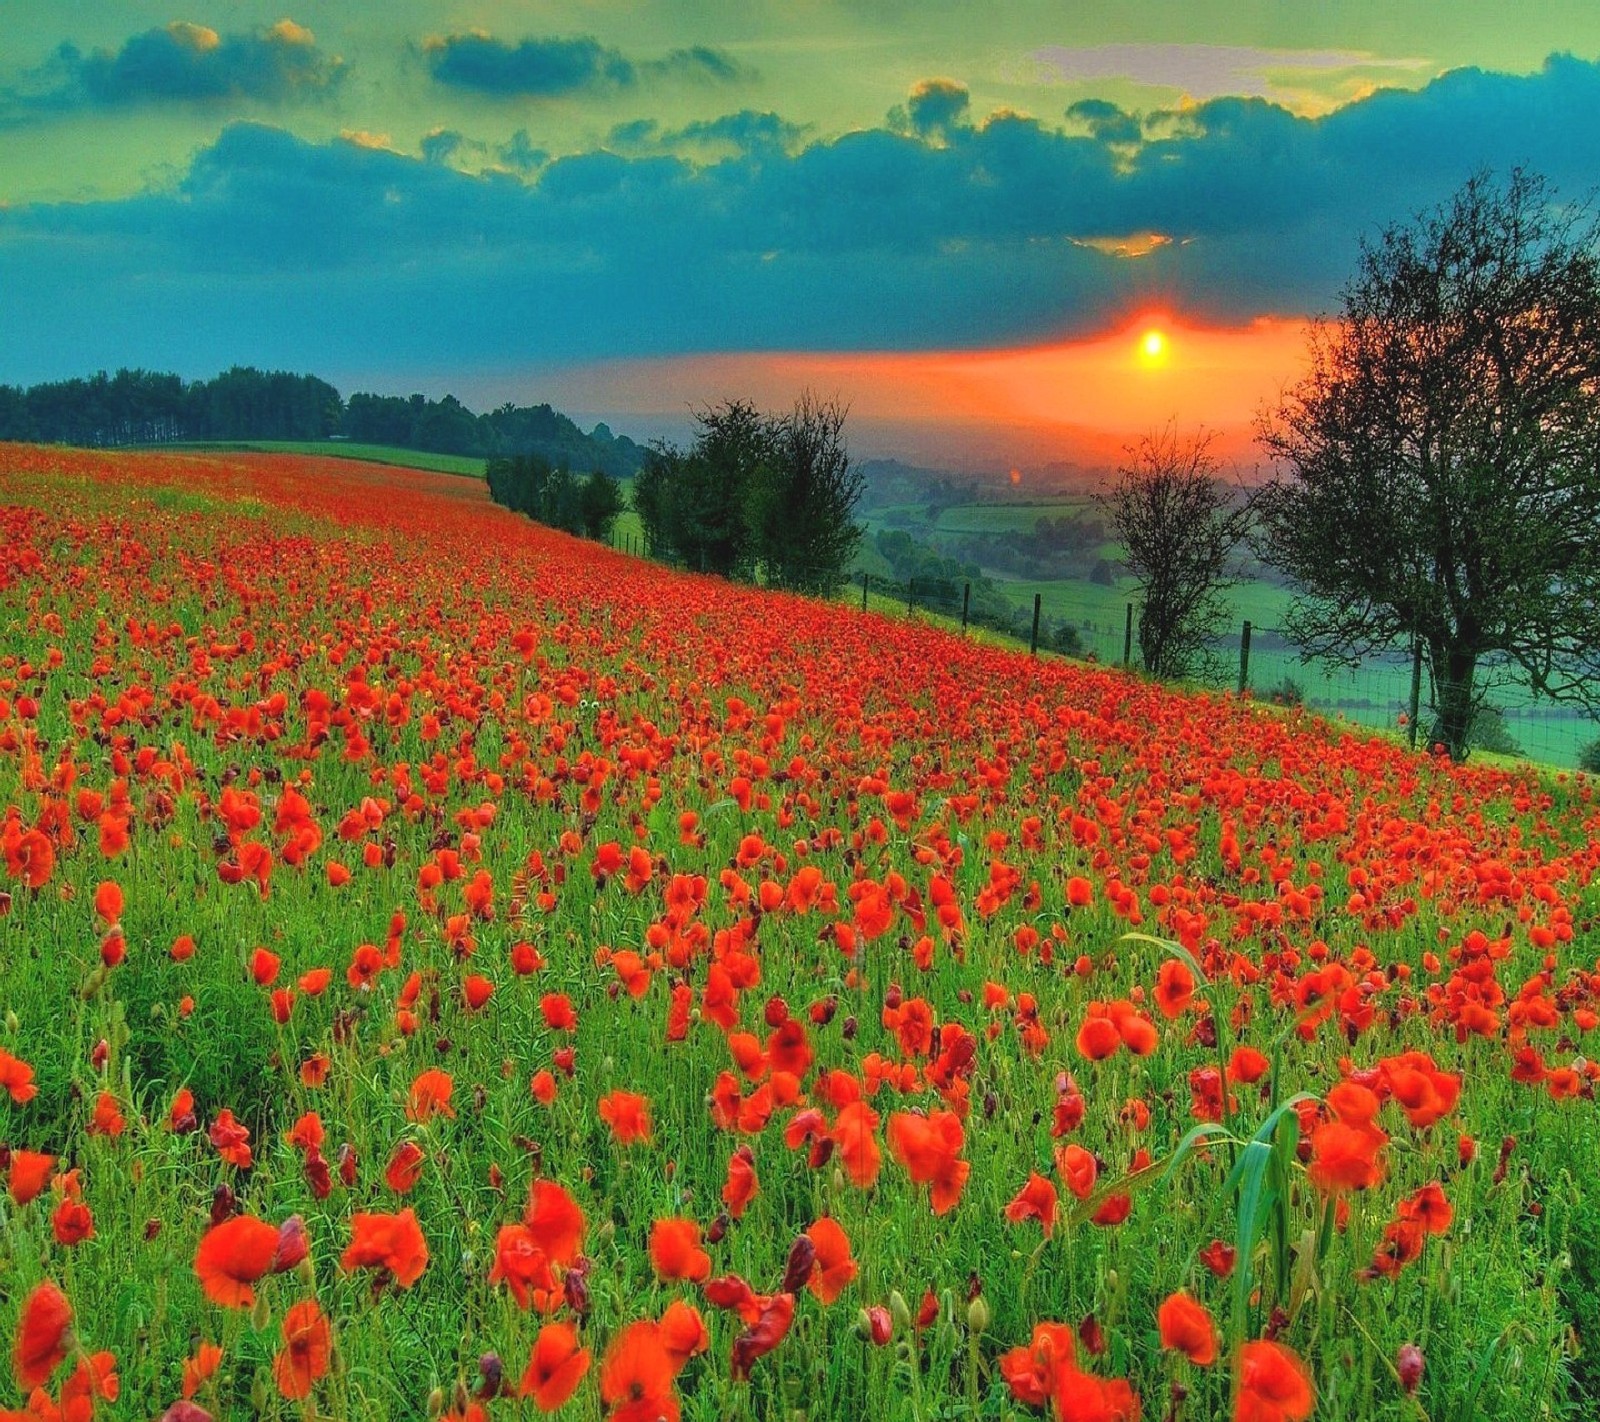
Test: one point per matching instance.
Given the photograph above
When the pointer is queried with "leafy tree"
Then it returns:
(713, 488)
(803, 497)
(1440, 462)
(1180, 525)
(16, 422)
(520, 482)
(599, 503)
(652, 497)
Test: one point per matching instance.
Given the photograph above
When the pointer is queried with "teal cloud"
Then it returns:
(335, 256)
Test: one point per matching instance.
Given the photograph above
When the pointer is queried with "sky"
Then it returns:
(965, 219)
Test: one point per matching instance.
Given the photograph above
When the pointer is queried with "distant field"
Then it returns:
(342, 449)
(1373, 694)
(1008, 517)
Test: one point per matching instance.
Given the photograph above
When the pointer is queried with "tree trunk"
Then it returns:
(1454, 671)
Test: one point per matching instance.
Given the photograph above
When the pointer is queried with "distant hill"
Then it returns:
(136, 407)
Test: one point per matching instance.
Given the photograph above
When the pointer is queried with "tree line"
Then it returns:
(1436, 473)
(759, 497)
(152, 407)
(586, 505)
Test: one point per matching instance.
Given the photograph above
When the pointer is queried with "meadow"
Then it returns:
(1373, 693)
(450, 969)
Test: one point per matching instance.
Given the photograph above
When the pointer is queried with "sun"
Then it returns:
(1153, 347)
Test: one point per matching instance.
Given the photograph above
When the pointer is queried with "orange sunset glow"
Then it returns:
(1153, 368)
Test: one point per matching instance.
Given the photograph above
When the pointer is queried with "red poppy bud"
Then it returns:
(880, 1326)
(802, 1257)
(1091, 1336)
(1409, 1365)
(293, 1244)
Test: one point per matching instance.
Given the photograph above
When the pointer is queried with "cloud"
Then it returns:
(1106, 122)
(999, 231)
(700, 63)
(440, 145)
(748, 131)
(745, 132)
(519, 154)
(933, 109)
(1208, 71)
(553, 68)
(186, 63)
(540, 68)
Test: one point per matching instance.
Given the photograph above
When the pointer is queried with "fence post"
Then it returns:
(911, 591)
(1127, 640)
(1416, 691)
(864, 578)
(966, 599)
(1244, 657)
(1033, 641)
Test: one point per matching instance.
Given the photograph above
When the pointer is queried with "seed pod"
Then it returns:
(899, 1309)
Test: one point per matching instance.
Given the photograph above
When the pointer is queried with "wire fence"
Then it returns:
(1388, 692)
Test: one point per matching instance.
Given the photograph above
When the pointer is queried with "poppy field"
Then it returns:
(451, 969)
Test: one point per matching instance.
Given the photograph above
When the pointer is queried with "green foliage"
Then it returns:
(526, 483)
(1437, 475)
(1580, 1298)
(1589, 758)
(1490, 733)
(1180, 525)
(1288, 692)
(149, 407)
(1064, 638)
(599, 503)
(756, 495)
(803, 498)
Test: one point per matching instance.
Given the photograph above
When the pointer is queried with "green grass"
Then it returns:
(344, 449)
(648, 668)
(1008, 517)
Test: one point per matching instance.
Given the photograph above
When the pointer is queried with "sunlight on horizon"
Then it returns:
(1213, 376)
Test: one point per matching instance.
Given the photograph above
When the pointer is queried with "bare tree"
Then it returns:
(1180, 525)
(1440, 463)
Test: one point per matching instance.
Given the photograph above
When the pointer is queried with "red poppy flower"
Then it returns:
(16, 1078)
(1187, 1328)
(41, 1340)
(430, 1096)
(232, 1256)
(1035, 1201)
(636, 1376)
(555, 1368)
(387, 1242)
(928, 1147)
(833, 1268)
(29, 1174)
(628, 1115)
(675, 1251)
(303, 1358)
(1273, 1385)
